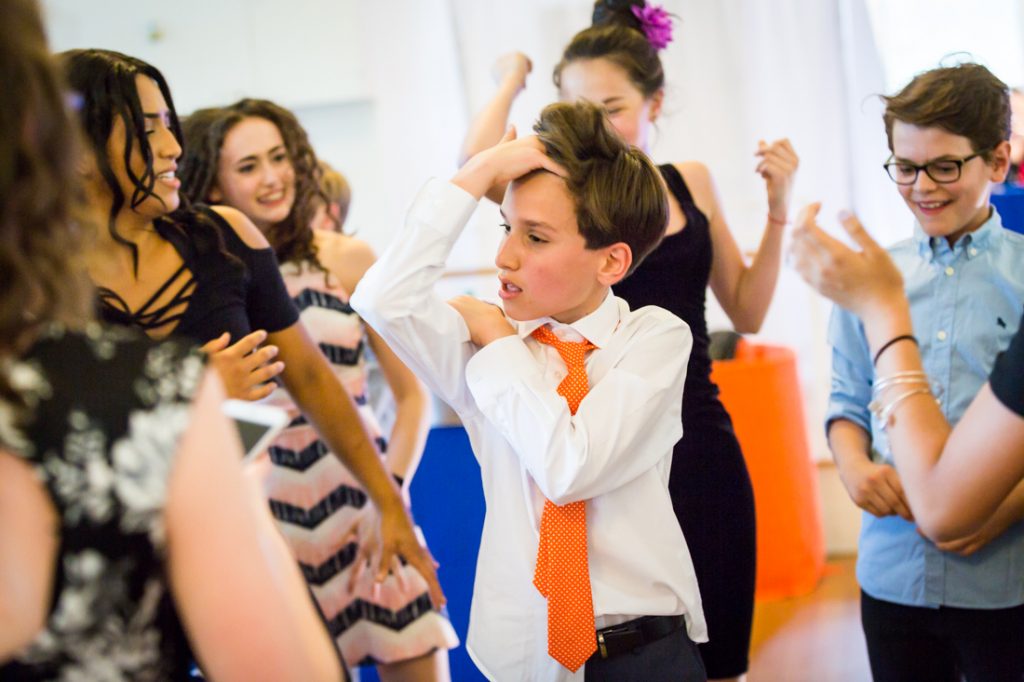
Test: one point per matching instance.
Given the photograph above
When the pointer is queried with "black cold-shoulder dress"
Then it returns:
(223, 284)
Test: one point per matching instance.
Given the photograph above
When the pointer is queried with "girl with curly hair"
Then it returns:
(255, 157)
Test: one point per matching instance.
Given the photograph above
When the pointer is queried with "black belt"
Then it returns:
(625, 637)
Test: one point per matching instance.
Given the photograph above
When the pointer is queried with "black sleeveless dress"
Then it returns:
(709, 483)
(105, 457)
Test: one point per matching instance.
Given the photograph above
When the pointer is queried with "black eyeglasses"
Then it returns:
(942, 171)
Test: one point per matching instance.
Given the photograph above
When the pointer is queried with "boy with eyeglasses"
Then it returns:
(935, 611)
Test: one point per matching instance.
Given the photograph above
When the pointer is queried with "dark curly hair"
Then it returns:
(618, 192)
(42, 233)
(105, 81)
(615, 34)
(206, 129)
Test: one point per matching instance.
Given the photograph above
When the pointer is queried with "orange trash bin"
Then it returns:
(759, 388)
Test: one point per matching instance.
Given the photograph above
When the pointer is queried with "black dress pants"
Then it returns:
(910, 643)
(673, 658)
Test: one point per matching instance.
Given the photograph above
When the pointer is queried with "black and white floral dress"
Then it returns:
(106, 410)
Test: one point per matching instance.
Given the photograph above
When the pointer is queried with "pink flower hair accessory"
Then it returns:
(656, 24)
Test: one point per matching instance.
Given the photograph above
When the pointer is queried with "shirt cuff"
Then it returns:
(837, 412)
(443, 207)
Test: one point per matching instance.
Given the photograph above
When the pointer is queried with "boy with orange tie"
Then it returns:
(570, 399)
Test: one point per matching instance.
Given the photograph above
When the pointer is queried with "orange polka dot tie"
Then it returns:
(562, 575)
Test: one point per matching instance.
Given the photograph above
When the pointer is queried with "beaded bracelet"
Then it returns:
(775, 221)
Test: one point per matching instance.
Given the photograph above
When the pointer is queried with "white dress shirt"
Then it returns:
(615, 452)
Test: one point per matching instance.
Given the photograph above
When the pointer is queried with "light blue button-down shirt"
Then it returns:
(966, 304)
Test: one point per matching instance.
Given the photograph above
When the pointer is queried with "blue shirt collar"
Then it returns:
(971, 244)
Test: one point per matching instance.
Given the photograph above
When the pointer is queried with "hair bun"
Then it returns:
(617, 12)
(652, 21)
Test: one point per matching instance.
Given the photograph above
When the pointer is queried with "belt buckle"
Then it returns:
(617, 639)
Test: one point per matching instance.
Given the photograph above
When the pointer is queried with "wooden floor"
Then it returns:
(815, 638)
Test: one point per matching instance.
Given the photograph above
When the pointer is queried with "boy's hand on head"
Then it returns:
(512, 68)
(777, 165)
(486, 321)
(865, 282)
(506, 161)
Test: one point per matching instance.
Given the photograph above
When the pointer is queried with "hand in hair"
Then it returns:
(777, 166)
(244, 367)
(486, 321)
(512, 69)
(511, 158)
(865, 282)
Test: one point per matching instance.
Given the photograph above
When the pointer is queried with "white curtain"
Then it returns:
(738, 71)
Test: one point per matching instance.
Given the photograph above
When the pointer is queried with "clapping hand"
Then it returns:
(864, 282)
(777, 165)
(512, 68)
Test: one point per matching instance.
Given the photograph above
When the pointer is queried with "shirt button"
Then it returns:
(949, 271)
(941, 336)
(973, 251)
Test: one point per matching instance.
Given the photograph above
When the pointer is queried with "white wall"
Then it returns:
(915, 35)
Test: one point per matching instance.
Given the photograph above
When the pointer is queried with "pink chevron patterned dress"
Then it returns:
(314, 499)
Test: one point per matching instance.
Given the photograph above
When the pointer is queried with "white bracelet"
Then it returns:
(885, 413)
(907, 377)
(881, 388)
(876, 405)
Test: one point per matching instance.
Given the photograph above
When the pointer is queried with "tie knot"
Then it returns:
(572, 352)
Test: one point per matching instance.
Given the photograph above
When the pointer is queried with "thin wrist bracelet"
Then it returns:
(890, 342)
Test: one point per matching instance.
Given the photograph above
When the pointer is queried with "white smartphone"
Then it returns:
(257, 424)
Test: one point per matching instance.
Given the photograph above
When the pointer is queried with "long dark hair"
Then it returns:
(205, 130)
(616, 34)
(41, 232)
(105, 82)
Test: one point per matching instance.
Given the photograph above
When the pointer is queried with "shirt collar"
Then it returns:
(973, 243)
(597, 327)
